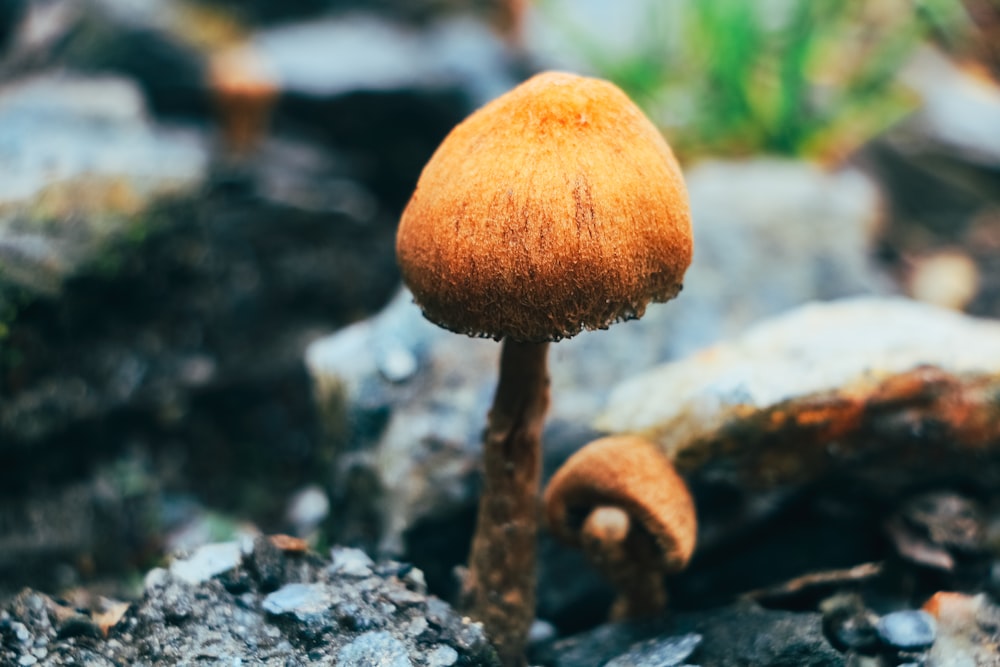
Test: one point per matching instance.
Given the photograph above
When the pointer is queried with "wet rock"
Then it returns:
(404, 402)
(826, 387)
(324, 618)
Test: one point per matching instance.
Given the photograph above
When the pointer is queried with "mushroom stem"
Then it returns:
(500, 589)
(627, 555)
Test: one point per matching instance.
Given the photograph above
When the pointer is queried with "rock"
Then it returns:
(800, 395)
(152, 43)
(350, 562)
(741, 634)
(321, 618)
(443, 656)
(307, 509)
(301, 600)
(85, 169)
(949, 279)
(357, 53)
(658, 652)
(206, 562)
(960, 110)
(907, 630)
(374, 649)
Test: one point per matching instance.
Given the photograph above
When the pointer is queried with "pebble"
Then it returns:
(909, 630)
(308, 509)
(442, 656)
(374, 649)
(396, 363)
(299, 599)
(949, 279)
(21, 632)
(206, 562)
(350, 562)
(669, 652)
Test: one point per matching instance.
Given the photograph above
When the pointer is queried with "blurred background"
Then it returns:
(198, 196)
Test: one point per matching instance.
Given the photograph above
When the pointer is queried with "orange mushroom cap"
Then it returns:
(555, 208)
(628, 472)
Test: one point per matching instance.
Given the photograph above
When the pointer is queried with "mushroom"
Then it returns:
(244, 90)
(555, 208)
(622, 502)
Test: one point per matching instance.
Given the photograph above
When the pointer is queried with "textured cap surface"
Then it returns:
(631, 473)
(555, 208)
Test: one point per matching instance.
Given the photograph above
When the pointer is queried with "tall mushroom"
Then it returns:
(622, 502)
(555, 208)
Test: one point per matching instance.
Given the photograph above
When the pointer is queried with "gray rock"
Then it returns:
(206, 562)
(960, 110)
(742, 634)
(307, 509)
(908, 630)
(365, 53)
(442, 656)
(85, 168)
(321, 618)
(374, 649)
(350, 562)
(668, 652)
(853, 346)
(303, 600)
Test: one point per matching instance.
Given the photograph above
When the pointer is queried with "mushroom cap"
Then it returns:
(631, 473)
(555, 208)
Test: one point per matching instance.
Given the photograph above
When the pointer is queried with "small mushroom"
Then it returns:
(244, 90)
(557, 207)
(622, 502)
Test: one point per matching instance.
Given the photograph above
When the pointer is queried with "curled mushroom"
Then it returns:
(622, 502)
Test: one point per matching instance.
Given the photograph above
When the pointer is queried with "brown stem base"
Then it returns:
(627, 556)
(500, 589)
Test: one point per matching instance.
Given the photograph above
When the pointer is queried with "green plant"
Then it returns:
(795, 77)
